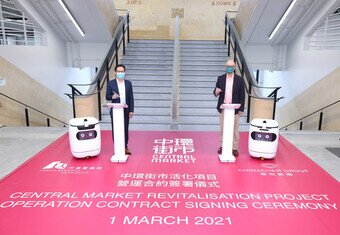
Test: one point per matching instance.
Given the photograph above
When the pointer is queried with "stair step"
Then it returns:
(215, 73)
(209, 120)
(197, 104)
(189, 90)
(150, 90)
(147, 65)
(141, 77)
(203, 51)
(197, 97)
(202, 63)
(149, 57)
(203, 54)
(200, 84)
(151, 45)
(203, 47)
(149, 111)
(143, 41)
(198, 127)
(157, 72)
(198, 111)
(144, 96)
(201, 67)
(159, 83)
(149, 127)
(153, 103)
(156, 119)
(202, 42)
(128, 50)
(146, 62)
(146, 68)
(149, 53)
(198, 79)
(208, 57)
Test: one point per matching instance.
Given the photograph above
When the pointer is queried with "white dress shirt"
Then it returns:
(121, 88)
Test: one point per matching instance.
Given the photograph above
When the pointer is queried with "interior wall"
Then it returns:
(304, 69)
(108, 11)
(46, 64)
(199, 19)
(319, 95)
(20, 86)
(244, 14)
(92, 53)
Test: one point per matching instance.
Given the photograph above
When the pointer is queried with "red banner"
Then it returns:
(173, 183)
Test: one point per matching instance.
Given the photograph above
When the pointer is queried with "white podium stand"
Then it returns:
(228, 132)
(118, 132)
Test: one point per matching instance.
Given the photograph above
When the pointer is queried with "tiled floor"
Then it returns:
(314, 144)
(18, 144)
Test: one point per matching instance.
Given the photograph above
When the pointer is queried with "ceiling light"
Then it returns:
(71, 17)
(282, 19)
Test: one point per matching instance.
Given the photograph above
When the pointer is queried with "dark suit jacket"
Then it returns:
(112, 87)
(238, 92)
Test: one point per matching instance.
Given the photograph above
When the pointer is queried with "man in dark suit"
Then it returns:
(119, 90)
(230, 89)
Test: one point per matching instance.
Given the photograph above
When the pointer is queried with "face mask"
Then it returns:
(120, 75)
(230, 69)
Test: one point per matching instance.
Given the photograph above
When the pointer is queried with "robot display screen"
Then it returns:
(86, 135)
(263, 136)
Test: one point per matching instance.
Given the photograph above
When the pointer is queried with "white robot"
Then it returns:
(263, 138)
(84, 136)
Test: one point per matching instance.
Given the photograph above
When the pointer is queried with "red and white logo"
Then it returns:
(56, 165)
(63, 168)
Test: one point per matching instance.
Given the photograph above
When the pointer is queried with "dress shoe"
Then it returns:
(235, 153)
(219, 151)
(127, 151)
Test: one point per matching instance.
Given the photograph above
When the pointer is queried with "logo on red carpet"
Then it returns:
(60, 167)
(269, 165)
(177, 150)
(56, 165)
(271, 169)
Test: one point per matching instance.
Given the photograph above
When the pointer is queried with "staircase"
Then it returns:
(201, 62)
(149, 67)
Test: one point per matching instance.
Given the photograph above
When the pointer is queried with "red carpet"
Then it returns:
(187, 192)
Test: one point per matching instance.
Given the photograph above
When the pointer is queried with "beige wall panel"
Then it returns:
(261, 109)
(110, 16)
(86, 106)
(199, 19)
(23, 88)
(331, 118)
(244, 14)
(11, 114)
(161, 33)
(319, 95)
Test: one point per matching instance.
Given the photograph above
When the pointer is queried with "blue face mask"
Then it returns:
(230, 69)
(120, 75)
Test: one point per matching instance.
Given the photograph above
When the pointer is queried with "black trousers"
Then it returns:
(126, 127)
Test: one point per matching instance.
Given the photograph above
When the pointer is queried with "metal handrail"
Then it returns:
(240, 60)
(27, 106)
(319, 110)
(234, 33)
(108, 56)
